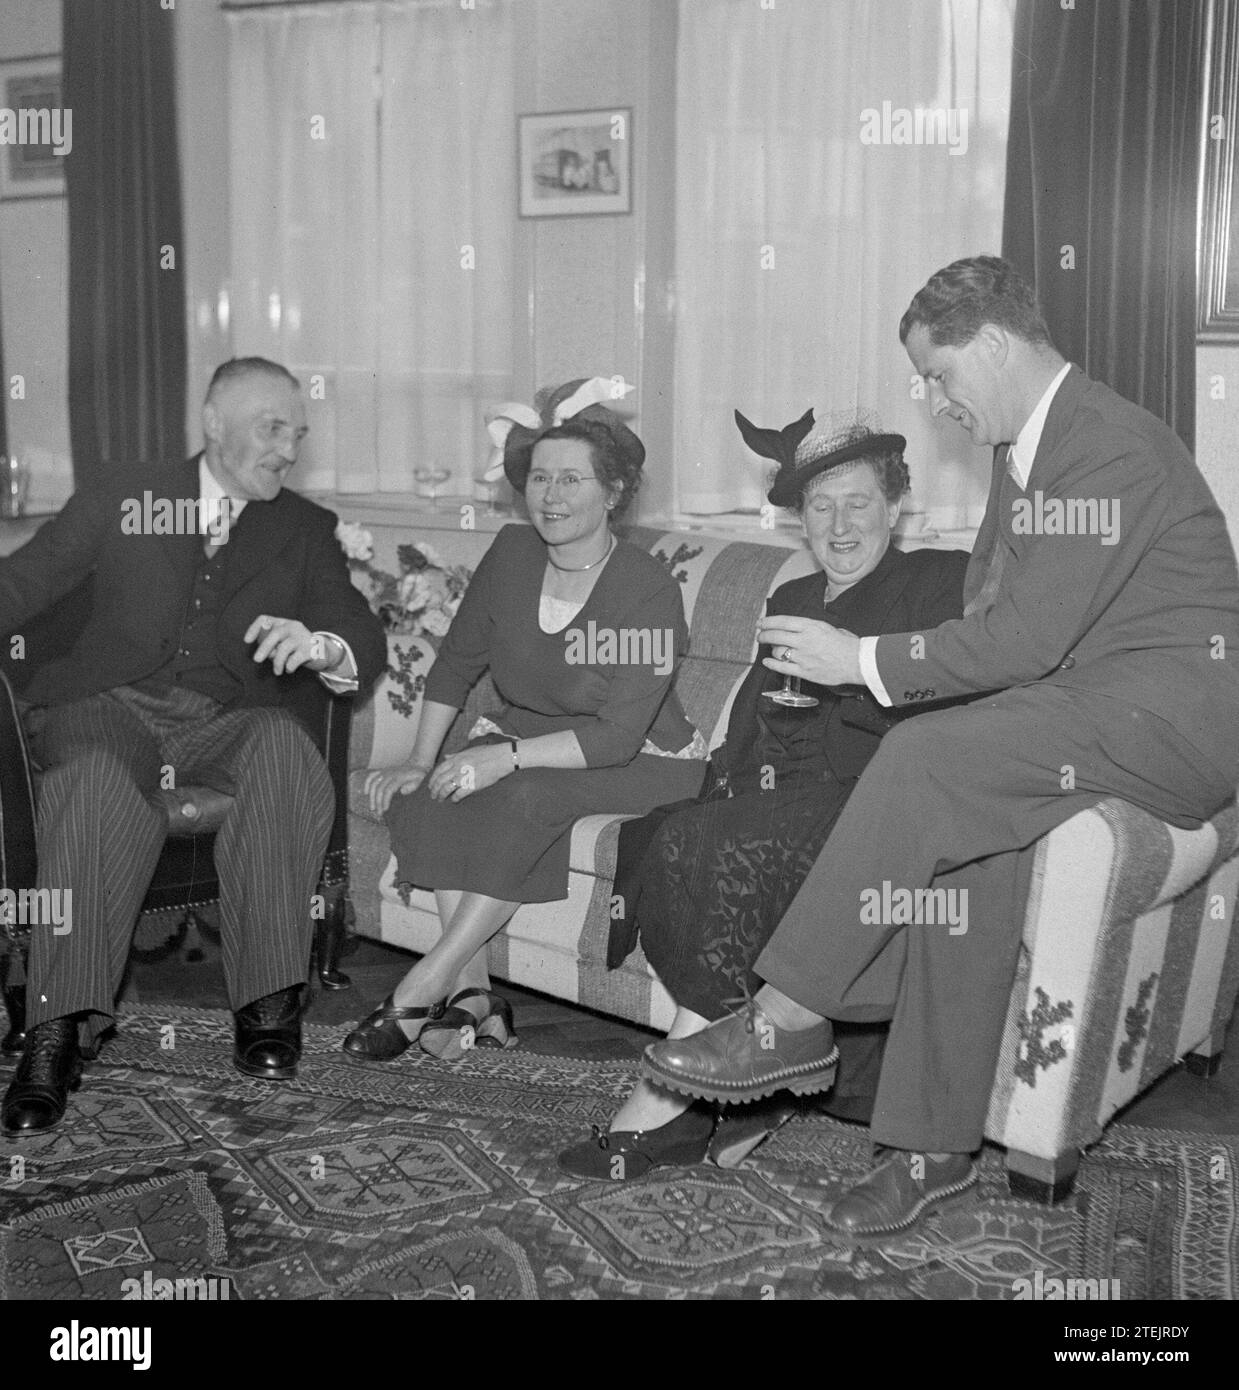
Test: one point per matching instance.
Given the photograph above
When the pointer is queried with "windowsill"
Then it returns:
(442, 514)
(914, 531)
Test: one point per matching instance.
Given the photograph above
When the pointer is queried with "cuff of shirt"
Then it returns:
(869, 669)
(343, 680)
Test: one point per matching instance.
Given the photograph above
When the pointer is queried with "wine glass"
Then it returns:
(790, 695)
(489, 490)
(432, 476)
(14, 486)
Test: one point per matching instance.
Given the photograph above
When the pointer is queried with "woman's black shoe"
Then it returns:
(497, 1027)
(50, 1068)
(455, 1032)
(624, 1154)
(380, 1037)
(741, 1128)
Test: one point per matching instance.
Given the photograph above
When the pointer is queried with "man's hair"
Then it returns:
(954, 303)
(237, 367)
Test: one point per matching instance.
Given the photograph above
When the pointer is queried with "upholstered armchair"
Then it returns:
(185, 875)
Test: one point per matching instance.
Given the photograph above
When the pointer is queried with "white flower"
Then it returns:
(432, 555)
(436, 622)
(416, 591)
(357, 542)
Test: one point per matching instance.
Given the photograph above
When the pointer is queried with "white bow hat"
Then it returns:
(514, 429)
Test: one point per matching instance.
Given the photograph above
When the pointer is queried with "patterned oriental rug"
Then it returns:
(430, 1180)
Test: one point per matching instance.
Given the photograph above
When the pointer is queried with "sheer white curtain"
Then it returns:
(371, 212)
(798, 246)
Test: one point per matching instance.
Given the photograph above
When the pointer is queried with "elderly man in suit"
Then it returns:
(215, 592)
(1099, 645)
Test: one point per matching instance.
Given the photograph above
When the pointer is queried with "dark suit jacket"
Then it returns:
(1152, 620)
(286, 562)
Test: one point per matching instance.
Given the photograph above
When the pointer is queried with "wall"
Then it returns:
(597, 291)
(34, 288)
(594, 292)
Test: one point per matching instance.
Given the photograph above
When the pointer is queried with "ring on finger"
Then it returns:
(787, 653)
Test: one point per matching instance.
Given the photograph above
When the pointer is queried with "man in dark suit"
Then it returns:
(215, 591)
(1098, 643)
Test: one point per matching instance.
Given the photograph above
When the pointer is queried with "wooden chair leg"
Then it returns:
(329, 937)
(13, 983)
(1044, 1180)
(192, 926)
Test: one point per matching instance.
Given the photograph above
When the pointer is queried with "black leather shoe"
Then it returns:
(268, 1036)
(50, 1068)
(744, 1058)
(624, 1154)
(741, 1128)
(902, 1188)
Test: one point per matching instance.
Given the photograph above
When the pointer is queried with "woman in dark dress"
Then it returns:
(581, 731)
(719, 873)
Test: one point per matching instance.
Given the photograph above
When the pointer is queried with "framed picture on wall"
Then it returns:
(1217, 279)
(575, 163)
(36, 132)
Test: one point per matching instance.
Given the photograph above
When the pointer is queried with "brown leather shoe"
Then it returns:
(891, 1199)
(743, 1058)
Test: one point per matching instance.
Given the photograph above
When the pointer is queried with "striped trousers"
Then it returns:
(98, 835)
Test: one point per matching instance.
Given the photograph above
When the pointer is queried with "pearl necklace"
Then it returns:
(580, 569)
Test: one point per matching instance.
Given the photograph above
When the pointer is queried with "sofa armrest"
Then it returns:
(338, 717)
(385, 724)
(1113, 862)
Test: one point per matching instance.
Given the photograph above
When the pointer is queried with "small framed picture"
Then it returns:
(36, 132)
(575, 163)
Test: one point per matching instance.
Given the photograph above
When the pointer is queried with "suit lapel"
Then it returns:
(1058, 424)
(181, 551)
(262, 531)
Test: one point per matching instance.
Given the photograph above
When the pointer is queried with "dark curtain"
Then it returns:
(1102, 157)
(126, 302)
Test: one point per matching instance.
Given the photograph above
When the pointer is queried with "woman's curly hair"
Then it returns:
(618, 474)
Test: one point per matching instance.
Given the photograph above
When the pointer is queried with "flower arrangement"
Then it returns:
(422, 599)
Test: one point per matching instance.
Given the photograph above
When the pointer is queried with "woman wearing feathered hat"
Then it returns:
(707, 882)
(584, 728)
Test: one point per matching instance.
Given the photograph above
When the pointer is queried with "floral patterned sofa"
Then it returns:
(1130, 960)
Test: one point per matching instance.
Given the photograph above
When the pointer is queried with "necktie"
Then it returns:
(998, 555)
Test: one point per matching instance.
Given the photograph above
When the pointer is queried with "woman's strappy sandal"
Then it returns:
(380, 1037)
(456, 1031)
